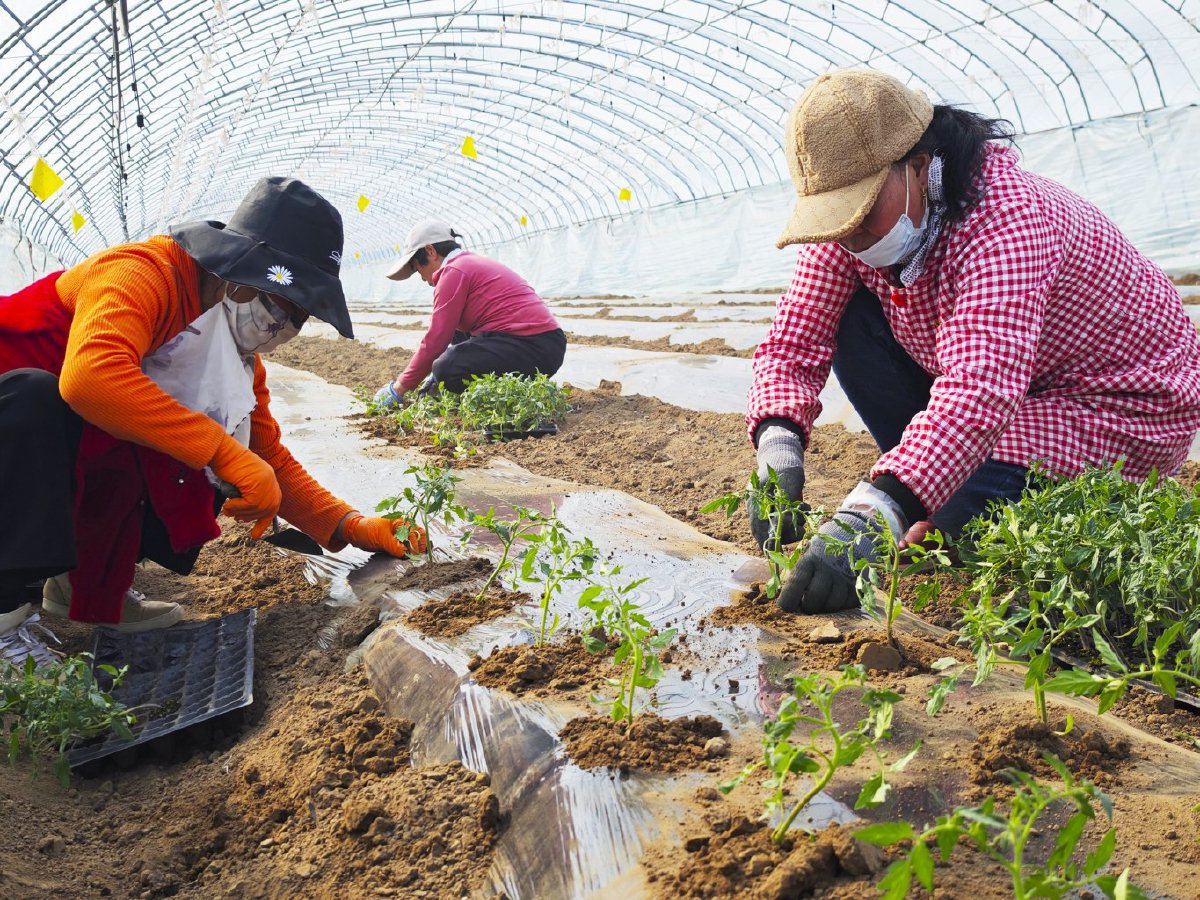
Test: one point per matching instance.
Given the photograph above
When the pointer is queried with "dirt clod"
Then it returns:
(880, 658)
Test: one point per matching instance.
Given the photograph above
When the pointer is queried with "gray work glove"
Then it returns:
(386, 398)
(782, 451)
(823, 581)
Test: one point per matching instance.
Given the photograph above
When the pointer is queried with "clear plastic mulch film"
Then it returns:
(177, 677)
(573, 832)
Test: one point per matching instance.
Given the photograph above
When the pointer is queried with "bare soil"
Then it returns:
(312, 795)
(709, 347)
(653, 744)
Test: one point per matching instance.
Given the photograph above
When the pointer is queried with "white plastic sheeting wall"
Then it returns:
(1141, 170)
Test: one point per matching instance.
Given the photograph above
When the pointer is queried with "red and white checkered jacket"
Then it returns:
(1049, 336)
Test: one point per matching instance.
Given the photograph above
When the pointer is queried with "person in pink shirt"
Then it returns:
(486, 318)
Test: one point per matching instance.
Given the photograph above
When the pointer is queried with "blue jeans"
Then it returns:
(887, 389)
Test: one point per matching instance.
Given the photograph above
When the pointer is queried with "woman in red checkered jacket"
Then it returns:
(980, 319)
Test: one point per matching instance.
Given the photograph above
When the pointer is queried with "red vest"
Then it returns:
(114, 479)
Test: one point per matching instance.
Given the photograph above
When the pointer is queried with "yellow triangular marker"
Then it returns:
(357, 255)
(524, 221)
(77, 221)
(45, 181)
(626, 194)
(468, 147)
(397, 248)
(363, 203)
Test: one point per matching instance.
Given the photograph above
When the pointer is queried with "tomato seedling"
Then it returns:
(46, 710)
(522, 528)
(1005, 839)
(551, 560)
(615, 611)
(431, 499)
(767, 499)
(800, 743)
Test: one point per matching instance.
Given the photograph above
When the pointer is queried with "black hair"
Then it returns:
(959, 137)
(442, 247)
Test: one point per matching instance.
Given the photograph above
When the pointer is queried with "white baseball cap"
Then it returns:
(430, 231)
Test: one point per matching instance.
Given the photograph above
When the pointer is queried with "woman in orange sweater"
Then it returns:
(133, 401)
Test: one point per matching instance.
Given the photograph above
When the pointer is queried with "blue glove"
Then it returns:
(823, 581)
(386, 398)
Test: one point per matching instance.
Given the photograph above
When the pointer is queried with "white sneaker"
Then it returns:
(137, 613)
(18, 641)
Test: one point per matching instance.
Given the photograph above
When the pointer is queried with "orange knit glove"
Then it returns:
(255, 481)
(378, 533)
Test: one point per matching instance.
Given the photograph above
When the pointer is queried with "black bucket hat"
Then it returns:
(284, 238)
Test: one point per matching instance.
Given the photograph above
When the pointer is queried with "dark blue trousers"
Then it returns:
(887, 389)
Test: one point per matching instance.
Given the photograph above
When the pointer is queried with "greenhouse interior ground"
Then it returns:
(581, 688)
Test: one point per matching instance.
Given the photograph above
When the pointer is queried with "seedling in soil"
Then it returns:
(1112, 686)
(524, 526)
(1006, 840)
(431, 499)
(1092, 566)
(615, 611)
(552, 560)
(884, 575)
(46, 710)
(768, 501)
(821, 746)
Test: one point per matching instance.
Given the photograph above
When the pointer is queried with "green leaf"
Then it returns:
(663, 639)
(1076, 683)
(873, 792)
(592, 645)
(1166, 681)
(897, 880)
(884, 834)
(1110, 657)
(922, 864)
(900, 764)
(943, 663)
(1110, 695)
(1099, 857)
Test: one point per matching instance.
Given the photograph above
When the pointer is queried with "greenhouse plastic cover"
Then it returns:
(597, 147)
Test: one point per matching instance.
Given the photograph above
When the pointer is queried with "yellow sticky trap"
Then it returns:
(363, 203)
(357, 255)
(77, 221)
(468, 147)
(44, 181)
(524, 221)
(397, 248)
(626, 194)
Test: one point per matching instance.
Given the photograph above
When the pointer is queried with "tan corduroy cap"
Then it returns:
(842, 137)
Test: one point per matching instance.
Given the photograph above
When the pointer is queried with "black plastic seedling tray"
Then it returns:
(179, 676)
(504, 433)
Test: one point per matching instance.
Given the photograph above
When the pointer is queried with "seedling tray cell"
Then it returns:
(180, 675)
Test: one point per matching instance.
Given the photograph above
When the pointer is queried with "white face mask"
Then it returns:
(901, 242)
(258, 326)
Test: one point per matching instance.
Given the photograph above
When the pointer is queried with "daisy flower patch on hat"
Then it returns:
(279, 275)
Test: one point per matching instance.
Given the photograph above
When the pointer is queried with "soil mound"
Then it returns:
(653, 744)
(1011, 737)
(735, 857)
(551, 668)
(460, 612)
